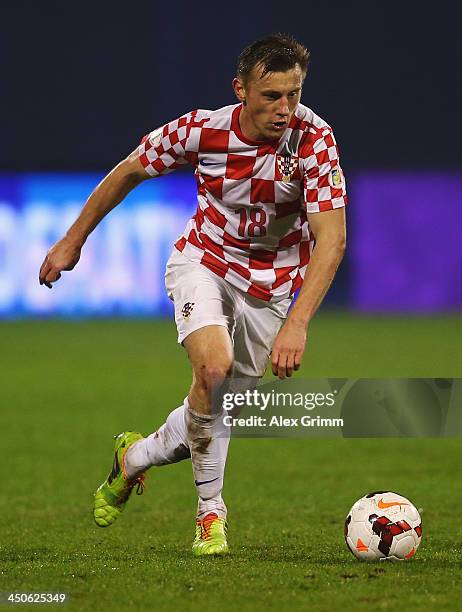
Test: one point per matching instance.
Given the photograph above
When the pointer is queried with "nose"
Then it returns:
(283, 109)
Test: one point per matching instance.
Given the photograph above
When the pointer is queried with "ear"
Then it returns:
(239, 89)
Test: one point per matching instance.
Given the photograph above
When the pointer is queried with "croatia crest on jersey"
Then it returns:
(285, 167)
(187, 310)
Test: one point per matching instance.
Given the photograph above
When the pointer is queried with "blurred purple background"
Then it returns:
(405, 251)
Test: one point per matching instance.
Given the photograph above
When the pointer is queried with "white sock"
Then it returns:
(169, 444)
(187, 434)
(208, 441)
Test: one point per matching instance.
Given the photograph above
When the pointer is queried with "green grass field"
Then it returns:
(67, 387)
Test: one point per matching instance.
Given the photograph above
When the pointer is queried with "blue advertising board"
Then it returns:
(121, 271)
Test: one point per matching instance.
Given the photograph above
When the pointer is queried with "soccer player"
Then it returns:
(270, 220)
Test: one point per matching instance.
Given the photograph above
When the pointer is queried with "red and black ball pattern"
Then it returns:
(387, 530)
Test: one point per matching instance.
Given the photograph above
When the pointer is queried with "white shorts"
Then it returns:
(203, 298)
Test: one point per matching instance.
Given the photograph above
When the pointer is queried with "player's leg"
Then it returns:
(133, 456)
(193, 429)
(210, 351)
(200, 302)
(205, 318)
(256, 326)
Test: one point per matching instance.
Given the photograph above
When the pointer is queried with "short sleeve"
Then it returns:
(324, 185)
(164, 149)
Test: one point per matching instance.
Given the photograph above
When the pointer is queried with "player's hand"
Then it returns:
(288, 349)
(64, 255)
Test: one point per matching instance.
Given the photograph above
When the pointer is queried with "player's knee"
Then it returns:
(214, 375)
(209, 380)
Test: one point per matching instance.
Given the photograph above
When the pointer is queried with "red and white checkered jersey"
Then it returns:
(251, 224)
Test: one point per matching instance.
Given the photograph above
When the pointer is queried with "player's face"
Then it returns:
(270, 102)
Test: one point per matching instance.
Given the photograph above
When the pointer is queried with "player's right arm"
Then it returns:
(160, 152)
(65, 254)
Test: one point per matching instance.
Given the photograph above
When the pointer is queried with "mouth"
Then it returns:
(279, 125)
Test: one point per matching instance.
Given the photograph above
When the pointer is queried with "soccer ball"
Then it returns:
(383, 525)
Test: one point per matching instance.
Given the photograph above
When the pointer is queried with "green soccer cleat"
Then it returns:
(210, 536)
(112, 495)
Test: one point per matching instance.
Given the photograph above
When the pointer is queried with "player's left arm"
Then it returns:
(329, 229)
